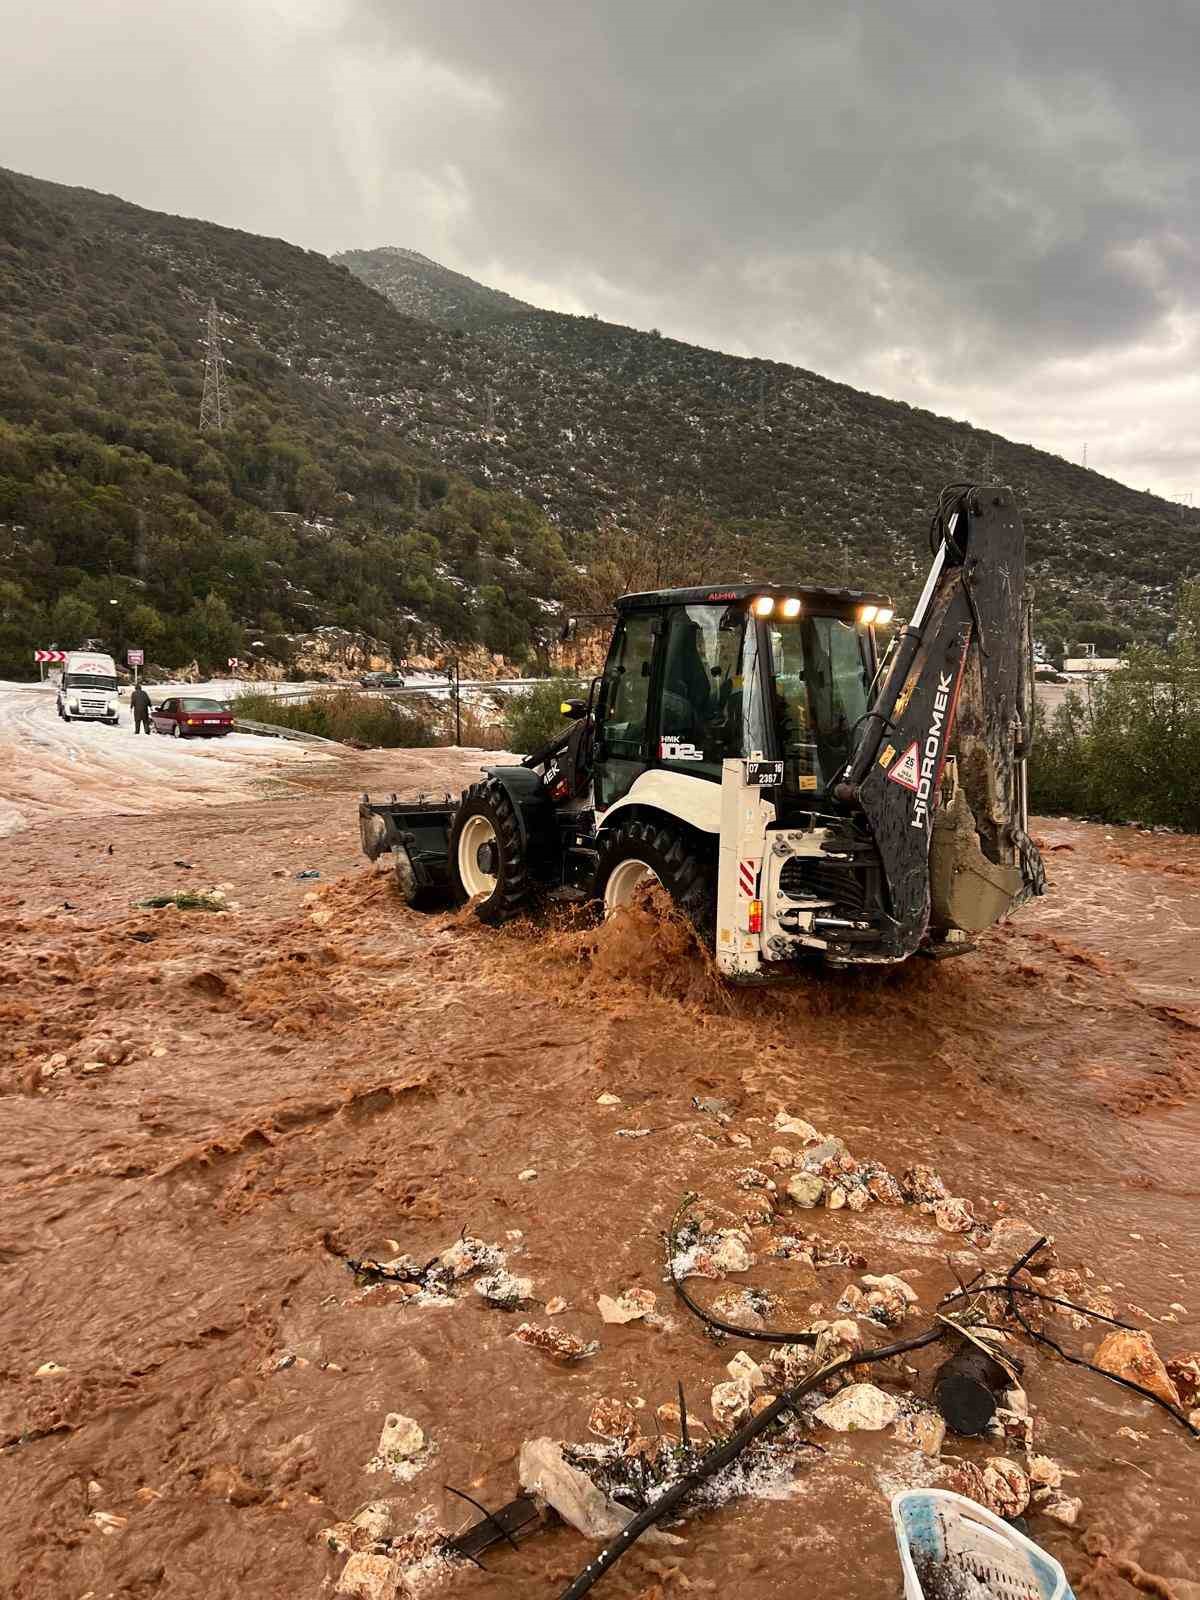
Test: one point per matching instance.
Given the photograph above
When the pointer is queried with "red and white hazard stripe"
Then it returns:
(747, 878)
(49, 655)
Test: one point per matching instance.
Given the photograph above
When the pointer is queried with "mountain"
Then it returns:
(317, 504)
(599, 422)
(415, 456)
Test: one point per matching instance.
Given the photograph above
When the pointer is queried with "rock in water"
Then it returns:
(1130, 1353)
(806, 1189)
(629, 1306)
(921, 1430)
(401, 1438)
(859, 1406)
(368, 1577)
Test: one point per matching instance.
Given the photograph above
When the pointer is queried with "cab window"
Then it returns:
(820, 680)
(703, 689)
(624, 706)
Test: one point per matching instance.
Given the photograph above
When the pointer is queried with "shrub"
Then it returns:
(1129, 750)
(346, 716)
(533, 717)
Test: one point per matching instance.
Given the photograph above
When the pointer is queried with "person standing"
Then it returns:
(139, 700)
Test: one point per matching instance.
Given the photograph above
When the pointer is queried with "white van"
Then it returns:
(88, 688)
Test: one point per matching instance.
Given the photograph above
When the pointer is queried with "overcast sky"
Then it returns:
(990, 209)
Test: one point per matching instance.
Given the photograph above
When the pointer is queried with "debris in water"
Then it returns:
(308, 872)
(628, 1306)
(403, 1451)
(545, 1471)
(503, 1290)
(1000, 1485)
(923, 1185)
(784, 1123)
(555, 1342)
(920, 1428)
(1184, 1373)
(469, 1254)
(1062, 1508)
(806, 1189)
(527, 1176)
(744, 1366)
(730, 1402)
(745, 1308)
(954, 1215)
(108, 1522)
(1130, 1353)
(859, 1406)
(967, 1389)
(612, 1419)
(187, 900)
(369, 1577)
(721, 1109)
(608, 1100)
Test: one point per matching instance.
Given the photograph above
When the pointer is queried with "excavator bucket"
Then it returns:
(939, 766)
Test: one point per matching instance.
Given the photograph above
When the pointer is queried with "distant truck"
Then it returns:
(88, 688)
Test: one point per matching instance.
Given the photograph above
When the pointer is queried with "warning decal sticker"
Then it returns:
(907, 771)
(886, 754)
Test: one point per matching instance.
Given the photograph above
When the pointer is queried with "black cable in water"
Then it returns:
(721, 1455)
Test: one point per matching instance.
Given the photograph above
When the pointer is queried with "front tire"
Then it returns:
(487, 854)
(176, 731)
(634, 853)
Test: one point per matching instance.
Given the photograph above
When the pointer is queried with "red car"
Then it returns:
(185, 715)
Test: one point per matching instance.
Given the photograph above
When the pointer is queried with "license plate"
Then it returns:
(764, 774)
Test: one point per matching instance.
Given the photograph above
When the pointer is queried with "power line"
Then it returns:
(214, 403)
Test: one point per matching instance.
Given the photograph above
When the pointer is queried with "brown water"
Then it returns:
(339, 1073)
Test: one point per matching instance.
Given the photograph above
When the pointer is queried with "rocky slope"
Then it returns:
(594, 420)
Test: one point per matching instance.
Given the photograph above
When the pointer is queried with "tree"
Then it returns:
(315, 490)
(72, 620)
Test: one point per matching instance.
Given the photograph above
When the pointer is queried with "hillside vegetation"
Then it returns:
(310, 509)
(600, 422)
(417, 457)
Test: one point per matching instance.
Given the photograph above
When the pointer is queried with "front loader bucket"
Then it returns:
(966, 890)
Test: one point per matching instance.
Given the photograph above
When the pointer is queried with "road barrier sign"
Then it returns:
(50, 655)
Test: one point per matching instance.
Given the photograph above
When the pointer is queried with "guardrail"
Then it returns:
(445, 686)
(272, 730)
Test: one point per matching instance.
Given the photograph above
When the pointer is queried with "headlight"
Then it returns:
(763, 606)
(790, 608)
(867, 613)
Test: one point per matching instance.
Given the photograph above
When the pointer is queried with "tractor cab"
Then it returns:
(695, 677)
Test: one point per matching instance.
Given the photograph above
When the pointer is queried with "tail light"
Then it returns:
(755, 916)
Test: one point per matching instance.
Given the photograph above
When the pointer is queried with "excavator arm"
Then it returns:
(937, 770)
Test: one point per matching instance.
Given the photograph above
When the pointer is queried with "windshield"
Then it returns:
(819, 676)
(201, 705)
(89, 680)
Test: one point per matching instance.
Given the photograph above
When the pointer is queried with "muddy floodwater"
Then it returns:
(204, 1115)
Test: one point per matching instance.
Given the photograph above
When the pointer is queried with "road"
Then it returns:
(49, 768)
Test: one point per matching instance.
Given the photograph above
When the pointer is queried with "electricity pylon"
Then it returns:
(214, 403)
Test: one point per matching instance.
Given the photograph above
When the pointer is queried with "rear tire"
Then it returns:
(668, 856)
(487, 854)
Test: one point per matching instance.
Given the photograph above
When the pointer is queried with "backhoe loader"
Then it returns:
(796, 791)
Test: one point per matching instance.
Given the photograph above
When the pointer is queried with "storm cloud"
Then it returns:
(992, 210)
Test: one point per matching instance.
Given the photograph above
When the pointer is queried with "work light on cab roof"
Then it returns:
(798, 789)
